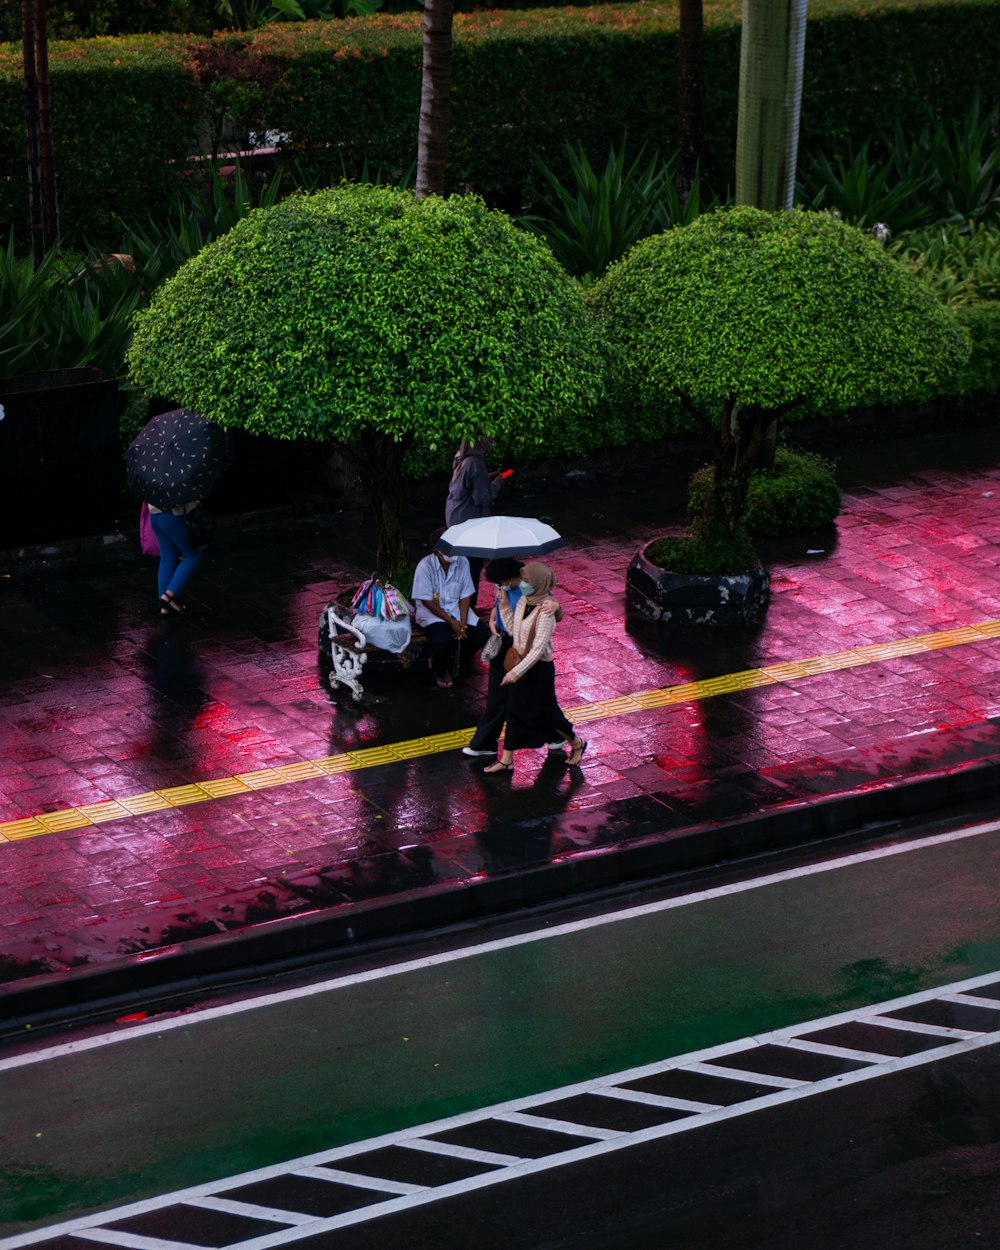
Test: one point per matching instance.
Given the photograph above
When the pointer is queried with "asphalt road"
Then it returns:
(306, 1073)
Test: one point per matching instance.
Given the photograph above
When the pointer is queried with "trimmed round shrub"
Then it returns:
(791, 312)
(363, 309)
(799, 493)
(982, 373)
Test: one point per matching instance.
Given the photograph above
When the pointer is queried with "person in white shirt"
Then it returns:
(443, 592)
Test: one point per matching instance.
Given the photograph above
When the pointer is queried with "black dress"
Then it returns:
(534, 718)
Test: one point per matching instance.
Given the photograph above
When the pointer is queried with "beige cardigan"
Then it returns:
(532, 637)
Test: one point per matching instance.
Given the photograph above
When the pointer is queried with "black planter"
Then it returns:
(60, 456)
(690, 599)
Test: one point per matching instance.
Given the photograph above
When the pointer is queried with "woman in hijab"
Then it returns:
(534, 718)
(505, 574)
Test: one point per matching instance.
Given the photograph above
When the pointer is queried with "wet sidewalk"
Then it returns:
(182, 799)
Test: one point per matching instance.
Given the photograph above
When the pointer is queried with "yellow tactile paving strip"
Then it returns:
(328, 765)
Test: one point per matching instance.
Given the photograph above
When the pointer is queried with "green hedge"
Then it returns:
(525, 82)
(125, 116)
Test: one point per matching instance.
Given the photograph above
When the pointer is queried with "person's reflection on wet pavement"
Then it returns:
(520, 823)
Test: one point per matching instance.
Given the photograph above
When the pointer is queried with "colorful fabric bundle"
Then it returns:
(383, 602)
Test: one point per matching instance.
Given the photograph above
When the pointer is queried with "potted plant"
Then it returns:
(739, 319)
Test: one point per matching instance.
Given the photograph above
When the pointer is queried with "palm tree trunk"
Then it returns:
(49, 197)
(35, 211)
(691, 97)
(772, 52)
(435, 98)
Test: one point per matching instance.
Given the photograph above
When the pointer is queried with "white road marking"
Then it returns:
(190, 1019)
(931, 1030)
(658, 1100)
(511, 1166)
(252, 1212)
(558, 1126)
(359, 1180)
(744, 1074)
(972, 1000)
(838, 1052)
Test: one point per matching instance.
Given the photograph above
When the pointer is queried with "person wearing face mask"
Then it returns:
(534, 718)
(505, 574)
(443, 592)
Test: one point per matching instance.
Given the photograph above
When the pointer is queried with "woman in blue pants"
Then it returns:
(179, 557)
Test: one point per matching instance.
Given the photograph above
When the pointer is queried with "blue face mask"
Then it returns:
(526, 588)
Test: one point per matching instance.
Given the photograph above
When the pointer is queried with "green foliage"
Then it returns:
(524, 82)
(982, 372)
(709, 551)
(963, 158)
(64, 315)
(865, 192)
(799, 493)
(125, 117)
(158, 249)
(947, 172)
(960, 264)
(363, 308)
(595, 219)
(789, 312)
(71, 313)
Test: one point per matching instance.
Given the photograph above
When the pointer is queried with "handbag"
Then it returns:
(200, 525)
(149, 544)
(491, 648)
(512, 659)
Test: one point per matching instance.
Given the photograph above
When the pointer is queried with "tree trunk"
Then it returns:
(378, 460)
(691, 97)
(739, 436)
(435, 98)
(49, 197)
(35, 209)
(772, 52)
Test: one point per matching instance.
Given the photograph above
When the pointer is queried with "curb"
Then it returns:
(158, 977)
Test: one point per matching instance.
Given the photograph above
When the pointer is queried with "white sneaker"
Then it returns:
(473, 751)
(557, 746)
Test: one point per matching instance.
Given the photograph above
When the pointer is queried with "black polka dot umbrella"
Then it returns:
(177, 457)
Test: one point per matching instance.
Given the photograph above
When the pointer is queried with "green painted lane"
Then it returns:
(207, 1098)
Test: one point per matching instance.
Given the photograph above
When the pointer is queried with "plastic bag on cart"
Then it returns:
(390, 635)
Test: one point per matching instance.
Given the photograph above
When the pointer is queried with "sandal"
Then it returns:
(499, 767)
(576, 755)
(169, 604)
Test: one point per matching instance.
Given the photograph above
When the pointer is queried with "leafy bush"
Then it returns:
(125, 118)
(594, 219)
(66, 314)
(963, 159)
(864, 191)
(959, 264)
(382, 322)
(946, 172)
(711, 551)
(524, 83)
(794, 312)
(746, 315)
(799, 493)
(982, 372)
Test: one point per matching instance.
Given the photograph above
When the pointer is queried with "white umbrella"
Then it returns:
(493, 536)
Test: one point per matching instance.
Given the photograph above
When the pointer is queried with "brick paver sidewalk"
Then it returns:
(101, 702)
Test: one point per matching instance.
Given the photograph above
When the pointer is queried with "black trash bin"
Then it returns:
(60, 456)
